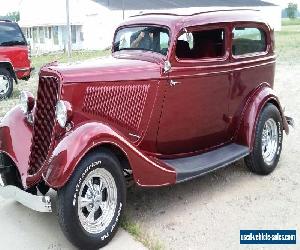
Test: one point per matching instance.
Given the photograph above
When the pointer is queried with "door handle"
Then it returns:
(173, 83)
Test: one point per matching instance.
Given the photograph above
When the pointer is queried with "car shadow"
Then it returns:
(150, 202)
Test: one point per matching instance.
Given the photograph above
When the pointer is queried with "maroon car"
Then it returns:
(181, 96)
(14, 57)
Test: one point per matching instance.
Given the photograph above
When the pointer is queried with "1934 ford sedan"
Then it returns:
(181, 96)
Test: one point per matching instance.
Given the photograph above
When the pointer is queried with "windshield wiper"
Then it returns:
(12, 43)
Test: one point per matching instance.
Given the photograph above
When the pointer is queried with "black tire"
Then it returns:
(68, 201)
(256, 162)
(5, 74)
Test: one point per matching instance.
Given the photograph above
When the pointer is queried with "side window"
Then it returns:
(201, 44)
(248, 41)
(164, 42)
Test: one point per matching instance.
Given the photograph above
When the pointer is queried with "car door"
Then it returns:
(253, 63)
(195, 110)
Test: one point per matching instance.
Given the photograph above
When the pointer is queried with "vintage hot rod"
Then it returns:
(181, 96)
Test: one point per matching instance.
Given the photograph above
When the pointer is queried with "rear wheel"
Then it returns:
(6, 84)
(268, 142)
(91, 203)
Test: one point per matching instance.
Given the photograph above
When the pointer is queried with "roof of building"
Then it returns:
(167, 4)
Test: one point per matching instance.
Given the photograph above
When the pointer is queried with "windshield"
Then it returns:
(148, 38)
(10, 34)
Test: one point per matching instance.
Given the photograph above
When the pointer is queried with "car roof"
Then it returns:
(180, 20)
(5, 21)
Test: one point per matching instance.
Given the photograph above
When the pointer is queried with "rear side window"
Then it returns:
(201, 44)
(10, 35)
(248, 41)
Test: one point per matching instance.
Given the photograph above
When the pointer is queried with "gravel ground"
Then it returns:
(208, 212)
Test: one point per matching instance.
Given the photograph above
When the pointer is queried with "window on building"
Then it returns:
(55, 35)
(201, 44)
(42, 34)
(81, 34)
(73, 33)
(49, 32)
(248, 41)
(35, 35)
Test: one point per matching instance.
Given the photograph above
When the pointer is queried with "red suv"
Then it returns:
(14, 57)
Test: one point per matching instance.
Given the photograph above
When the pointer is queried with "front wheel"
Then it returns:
(6, 84)
(267, 143)
(91, 203)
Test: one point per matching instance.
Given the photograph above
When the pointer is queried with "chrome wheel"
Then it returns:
(4, 84)
(269, 141)
(97, 201)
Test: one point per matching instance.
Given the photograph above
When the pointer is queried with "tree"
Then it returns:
(292, 10)
(13, 16)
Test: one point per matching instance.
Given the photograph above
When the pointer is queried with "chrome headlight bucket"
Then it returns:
(63, 113)
(26, 101)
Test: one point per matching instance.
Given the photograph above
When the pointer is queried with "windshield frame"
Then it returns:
(141, 50)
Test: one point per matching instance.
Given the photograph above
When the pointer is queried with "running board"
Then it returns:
(191, 167)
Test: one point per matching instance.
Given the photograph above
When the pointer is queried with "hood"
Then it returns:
(108, 69)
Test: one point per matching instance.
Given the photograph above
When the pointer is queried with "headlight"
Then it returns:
(26, 101)
(61, 113)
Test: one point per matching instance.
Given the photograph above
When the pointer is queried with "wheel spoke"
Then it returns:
(91, 216)
(84, 202)
(90, 186)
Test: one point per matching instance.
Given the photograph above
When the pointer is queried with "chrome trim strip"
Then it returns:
(34, 202)
(22, 69)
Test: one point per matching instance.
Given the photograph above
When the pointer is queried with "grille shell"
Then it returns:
(122, 104)
(44, 122)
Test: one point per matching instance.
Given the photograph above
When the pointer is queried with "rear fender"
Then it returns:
(78, 142)
(245, 134)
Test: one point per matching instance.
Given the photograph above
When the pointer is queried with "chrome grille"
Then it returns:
(44, 121)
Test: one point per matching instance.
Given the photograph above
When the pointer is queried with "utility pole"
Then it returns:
(69, 42)
(123, 9)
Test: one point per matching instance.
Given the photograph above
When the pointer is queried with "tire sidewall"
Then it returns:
(78, 234)
(270, 111)
(6, 73)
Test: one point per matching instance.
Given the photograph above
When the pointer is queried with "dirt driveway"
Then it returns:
(207, 213)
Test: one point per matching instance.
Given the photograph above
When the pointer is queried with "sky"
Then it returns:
(9, 6)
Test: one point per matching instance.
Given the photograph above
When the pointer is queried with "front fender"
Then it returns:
(245, 134)
(75, 144)
(15, 140)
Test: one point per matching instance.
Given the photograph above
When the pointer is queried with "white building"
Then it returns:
(44, 25)
(93, 21)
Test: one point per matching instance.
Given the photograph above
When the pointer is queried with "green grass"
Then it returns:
(288, 22)
(287, 43)
(39, 61)
(135, 230)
